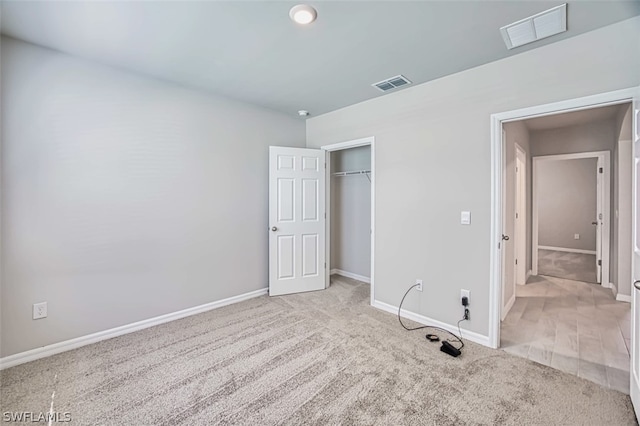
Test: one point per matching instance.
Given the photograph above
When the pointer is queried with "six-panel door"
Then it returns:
(296, 220)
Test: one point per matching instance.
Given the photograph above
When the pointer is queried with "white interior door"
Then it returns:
(599, 216)
(296, 220)
(635, 275)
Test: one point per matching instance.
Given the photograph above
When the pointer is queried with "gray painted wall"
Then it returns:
(124, 197)
(567, 203)
(351, 212)
(594, 136)
(516, 133)
(433, 160)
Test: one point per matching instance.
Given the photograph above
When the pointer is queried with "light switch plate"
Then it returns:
(465, 218)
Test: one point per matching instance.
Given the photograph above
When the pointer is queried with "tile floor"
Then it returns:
(574, 326)
(572, 266)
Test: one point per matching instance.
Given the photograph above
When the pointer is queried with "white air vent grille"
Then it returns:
(391, 83)
(536, 27)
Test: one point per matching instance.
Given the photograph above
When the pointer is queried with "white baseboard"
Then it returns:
(67, 345)
(614, 289)
(529, 274)
(351, 275)
(623, 298)
(508, 307)
(568, 250)
(466, 334)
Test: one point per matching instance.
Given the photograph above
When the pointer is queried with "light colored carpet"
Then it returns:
(316, 358)
(570, 266)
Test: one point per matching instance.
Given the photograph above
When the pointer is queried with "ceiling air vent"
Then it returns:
(391, 83)
(536, 27)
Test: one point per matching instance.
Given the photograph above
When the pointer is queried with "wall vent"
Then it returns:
(536, 27)
(391, 83)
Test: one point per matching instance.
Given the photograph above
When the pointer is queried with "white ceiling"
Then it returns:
(252, 51)
(574, 118)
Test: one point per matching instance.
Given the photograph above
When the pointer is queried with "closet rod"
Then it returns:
(353, 172)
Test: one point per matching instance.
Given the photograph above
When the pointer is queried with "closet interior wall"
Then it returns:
(351, 212)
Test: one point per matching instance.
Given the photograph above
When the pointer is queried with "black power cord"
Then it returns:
(459, 339)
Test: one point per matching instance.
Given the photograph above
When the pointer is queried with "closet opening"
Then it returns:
(350, 199)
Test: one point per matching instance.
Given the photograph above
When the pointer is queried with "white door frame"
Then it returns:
(368, 141)
(497, 154)
(505, 305)
(604, 205)
(520, 232)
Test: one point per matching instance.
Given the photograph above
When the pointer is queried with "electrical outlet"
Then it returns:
(576, 236)
(419, 285)
(465, 293)
(39, 310)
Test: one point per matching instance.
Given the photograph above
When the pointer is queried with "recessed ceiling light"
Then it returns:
(303, 14)
(303, 113)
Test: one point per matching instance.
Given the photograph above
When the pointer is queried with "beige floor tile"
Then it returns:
(618, 379)
(566, 344)
(519, 350)
(568, 364)
(590, 349)
(592, 371)
(574, 326)
(617, 360)
(541, 352)
(613, 341)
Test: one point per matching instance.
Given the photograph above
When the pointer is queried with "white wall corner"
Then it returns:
(67, 345)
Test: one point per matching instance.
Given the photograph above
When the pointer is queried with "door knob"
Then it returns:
(636, 284)
(505, 237)
(274, 229)
(594, 223)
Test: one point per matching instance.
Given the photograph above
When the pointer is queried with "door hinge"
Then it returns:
(516, 215)
(599, 262)
(600, 170)
(325, 265)
(516, 261)
(325, 215)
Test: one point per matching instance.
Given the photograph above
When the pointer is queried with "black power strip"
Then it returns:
(448, 348)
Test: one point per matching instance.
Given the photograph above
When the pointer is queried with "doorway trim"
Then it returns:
(497, 155)
(603, 197)
(520, 232)
(368, 141)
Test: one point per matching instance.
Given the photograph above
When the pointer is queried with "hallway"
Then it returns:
(574, 326)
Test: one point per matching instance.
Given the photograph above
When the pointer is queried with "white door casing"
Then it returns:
(635, 261)
(296, 220)
(598, 220)
(497, 179)
(603, 209)
(505, 233)
(520, 233)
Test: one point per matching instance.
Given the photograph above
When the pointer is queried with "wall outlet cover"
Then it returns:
(39, 310)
